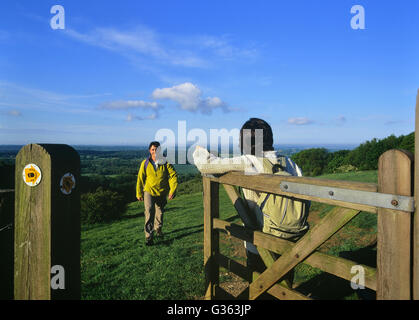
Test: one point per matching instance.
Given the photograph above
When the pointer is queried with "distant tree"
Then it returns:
(365, 156)
(337, 159)
(408, 142)
(312, 161)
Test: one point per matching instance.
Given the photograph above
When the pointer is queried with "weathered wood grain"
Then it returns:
(337, 266)
(211, 237)
(394, 228)
(32, 227)
(47, 224)
(330, 224)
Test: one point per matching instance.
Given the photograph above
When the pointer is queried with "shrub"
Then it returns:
(101, 206)
(345, 168)
(312, 161)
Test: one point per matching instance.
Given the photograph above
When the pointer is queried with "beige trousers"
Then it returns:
(153, 212)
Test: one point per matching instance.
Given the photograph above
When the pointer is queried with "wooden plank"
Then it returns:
(330, 224)
(211, 237)
(284, 293)
(337, 266)
(248, 219)
(394, 228)
(32, 261)
(278, 290)
(267, 182)
(47, 226)
(342, 268)
(415, 264)
(270, 184)
(334, 265)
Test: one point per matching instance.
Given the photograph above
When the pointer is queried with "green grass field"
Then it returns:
(116, 264)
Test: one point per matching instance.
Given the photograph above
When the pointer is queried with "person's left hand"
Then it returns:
(171, 196)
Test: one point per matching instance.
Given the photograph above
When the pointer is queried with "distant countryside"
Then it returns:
(116, 264)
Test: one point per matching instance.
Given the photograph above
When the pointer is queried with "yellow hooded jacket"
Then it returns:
(162, 181)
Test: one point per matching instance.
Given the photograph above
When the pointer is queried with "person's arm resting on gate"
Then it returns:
(210, 164)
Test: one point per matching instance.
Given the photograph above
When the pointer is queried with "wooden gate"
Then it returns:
(392, 199)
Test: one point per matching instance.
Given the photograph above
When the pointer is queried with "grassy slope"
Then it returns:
(354, 242)
(116, 264)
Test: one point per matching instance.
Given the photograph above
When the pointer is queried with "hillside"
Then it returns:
(116, 264)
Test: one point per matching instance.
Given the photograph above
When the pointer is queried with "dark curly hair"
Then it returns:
(253, 124)
(154, 143)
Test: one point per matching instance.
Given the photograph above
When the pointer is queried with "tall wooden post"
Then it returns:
(415, 282)
(394, 228)
(211, 237)
(47, 223)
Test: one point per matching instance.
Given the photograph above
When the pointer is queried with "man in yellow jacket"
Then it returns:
(156, 180)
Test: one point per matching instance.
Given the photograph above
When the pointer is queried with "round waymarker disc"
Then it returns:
(67, 183)
(32, 174)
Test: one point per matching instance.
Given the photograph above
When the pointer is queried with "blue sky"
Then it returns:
(122, 70)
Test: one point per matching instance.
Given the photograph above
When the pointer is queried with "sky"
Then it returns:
(119, 72)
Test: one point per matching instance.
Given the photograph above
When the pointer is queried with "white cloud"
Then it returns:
(223, 47)
(153, 116)
(130, 104)
(143, 45)
(189, 97)
(134, 104)
(18, 96)
(142, 42)
(300, 121)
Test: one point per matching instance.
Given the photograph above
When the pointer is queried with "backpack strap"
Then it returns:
(145, 168)
(273, 168)
(146, 164)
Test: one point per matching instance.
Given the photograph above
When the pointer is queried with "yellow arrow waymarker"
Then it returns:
(32, 175)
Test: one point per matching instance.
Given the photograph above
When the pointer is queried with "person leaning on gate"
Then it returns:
(157, 180)
(280, 216)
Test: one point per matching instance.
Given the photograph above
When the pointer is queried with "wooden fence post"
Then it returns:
(47, 223)
(415, 281)
(211, 237)
(394, 228)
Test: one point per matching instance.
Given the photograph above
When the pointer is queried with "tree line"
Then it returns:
(317, 161)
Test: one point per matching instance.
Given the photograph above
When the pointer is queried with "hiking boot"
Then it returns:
(149, 241)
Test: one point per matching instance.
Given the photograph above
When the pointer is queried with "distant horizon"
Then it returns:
(276, 146)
